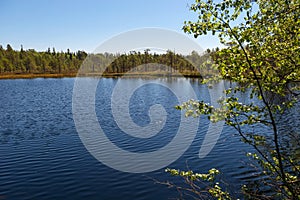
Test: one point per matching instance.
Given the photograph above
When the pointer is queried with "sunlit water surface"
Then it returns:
(42, 156)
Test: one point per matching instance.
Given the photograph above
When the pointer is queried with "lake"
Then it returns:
(42, 156)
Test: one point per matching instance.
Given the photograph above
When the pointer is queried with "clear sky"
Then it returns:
(85, 24)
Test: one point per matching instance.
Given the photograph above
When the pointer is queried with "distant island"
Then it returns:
(50, 63)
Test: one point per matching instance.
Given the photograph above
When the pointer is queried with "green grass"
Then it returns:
(62, 75)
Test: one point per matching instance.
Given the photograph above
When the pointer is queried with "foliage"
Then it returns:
(196, 182)
(149, 62)
(262, 59)
(31, 61)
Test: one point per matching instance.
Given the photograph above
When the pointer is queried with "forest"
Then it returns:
(26, 62)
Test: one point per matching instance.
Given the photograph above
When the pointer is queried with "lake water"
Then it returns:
(43, 157)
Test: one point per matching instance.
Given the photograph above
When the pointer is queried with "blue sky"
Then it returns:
(85, 24)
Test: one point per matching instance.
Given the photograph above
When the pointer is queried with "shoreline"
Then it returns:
(111, 75)
(31, 76)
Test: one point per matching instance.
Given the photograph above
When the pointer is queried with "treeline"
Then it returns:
(31, 61)
(52, 62)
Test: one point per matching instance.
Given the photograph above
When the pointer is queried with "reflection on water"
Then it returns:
(42, 157)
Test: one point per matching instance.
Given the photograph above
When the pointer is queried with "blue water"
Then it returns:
(43, 157)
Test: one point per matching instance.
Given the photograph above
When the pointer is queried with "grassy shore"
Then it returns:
(110, 75)
(29, 76)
